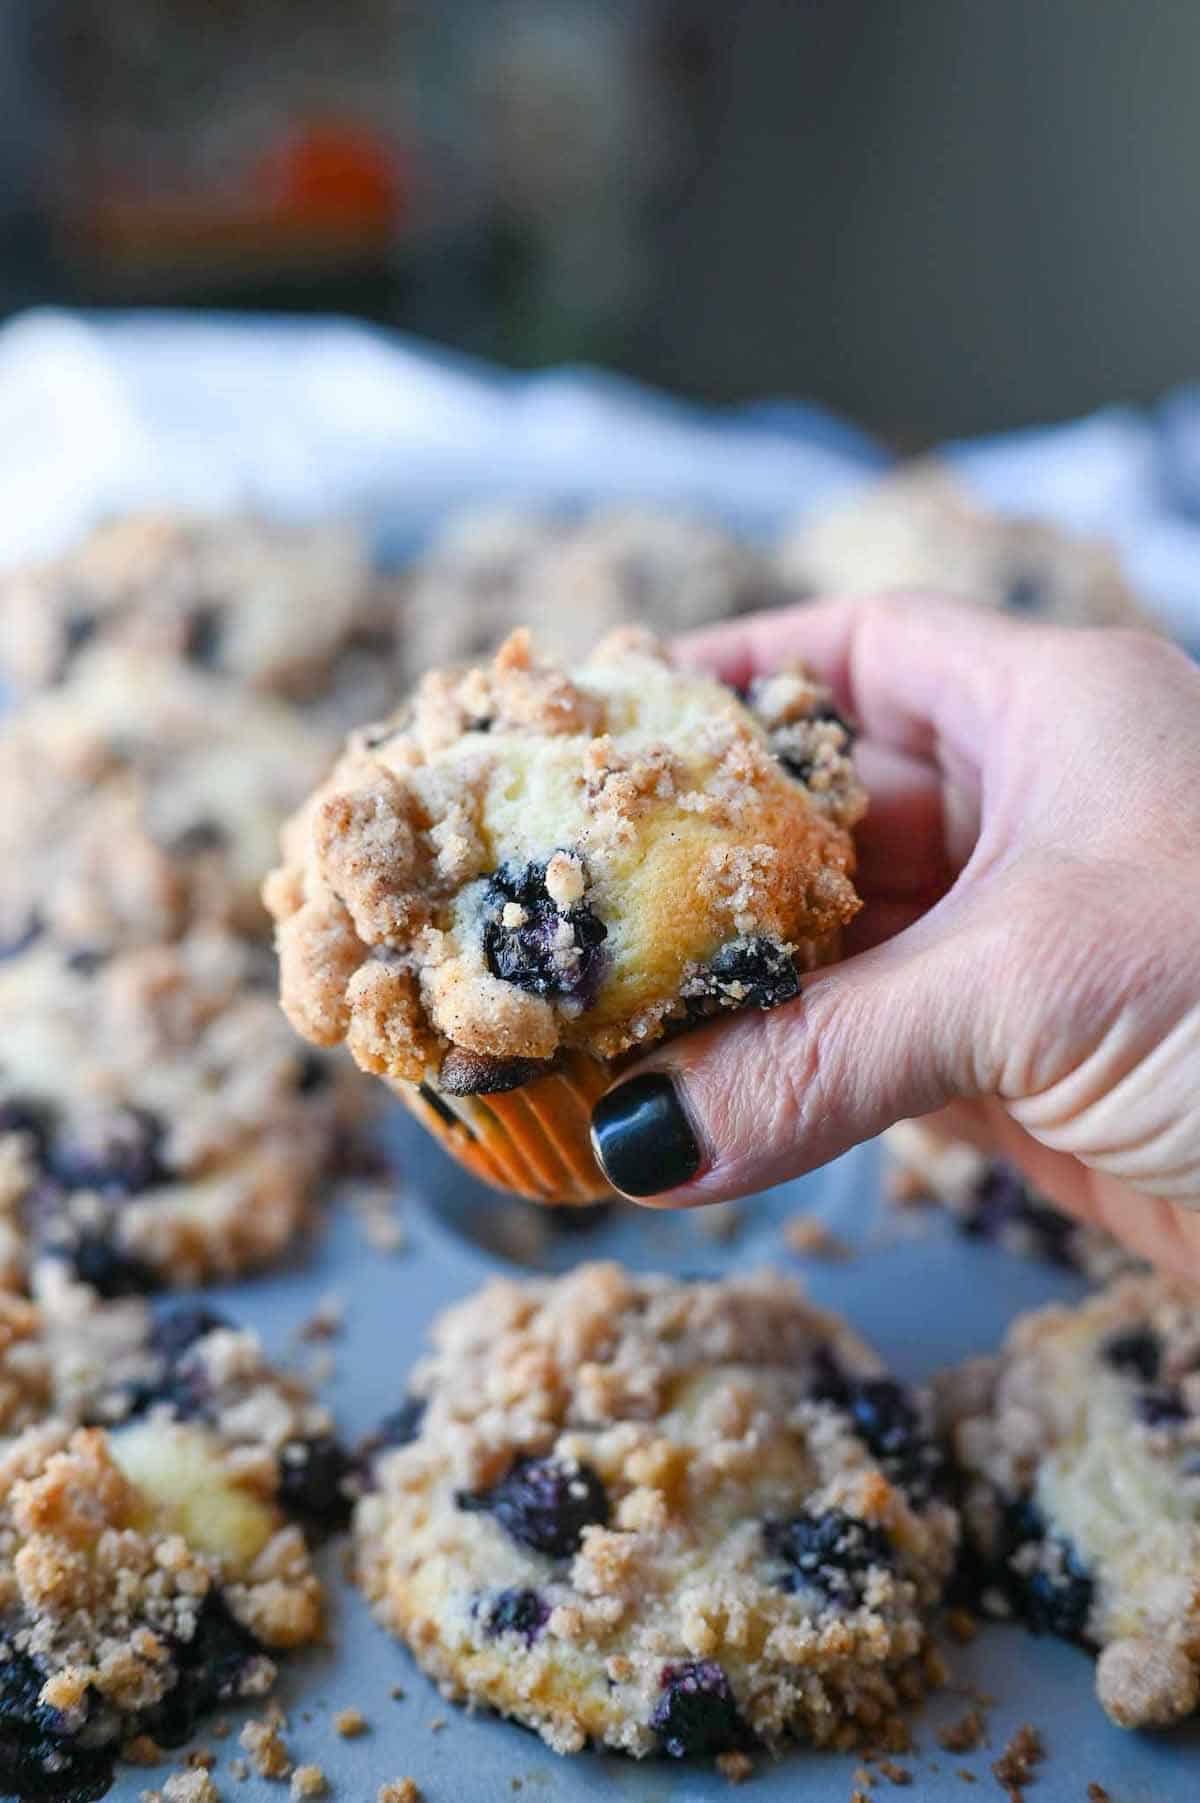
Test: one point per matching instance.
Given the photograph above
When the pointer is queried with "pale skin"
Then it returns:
(1027, 962)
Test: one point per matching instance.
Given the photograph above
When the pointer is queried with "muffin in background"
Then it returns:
(289, 609)
(529, 874)
(919, 528)
(570, 581)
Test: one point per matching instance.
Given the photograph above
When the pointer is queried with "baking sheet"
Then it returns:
(924, 1299)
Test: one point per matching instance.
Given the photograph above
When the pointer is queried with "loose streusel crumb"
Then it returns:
(401, 1790)
(142, 1750)
(1097, 1793)
(898, 1775)
(961, 1626)
(964, 1735)
(811, 1238)
(603, 1490)
(308, 1781)
(735, 1768)
(269, 1752)
(1017, 1765)
(350, 1723)
(186, 1787)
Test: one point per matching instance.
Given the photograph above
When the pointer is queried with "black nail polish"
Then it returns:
(643, 1138)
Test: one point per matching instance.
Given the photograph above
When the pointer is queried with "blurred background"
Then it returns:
(938, 217)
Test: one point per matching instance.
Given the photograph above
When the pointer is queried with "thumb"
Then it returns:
(746, 1103)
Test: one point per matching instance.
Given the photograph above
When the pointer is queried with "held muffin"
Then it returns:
(528, 875)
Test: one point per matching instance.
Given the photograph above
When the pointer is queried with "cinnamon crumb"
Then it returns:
(964, 1735)
(1017, 1764)
(735, 1768)
(267, 1748)
(966, 1776)
(350, 1723)
(308, 1781)
(961, 1626)
(398, 1692)
(812, 1239)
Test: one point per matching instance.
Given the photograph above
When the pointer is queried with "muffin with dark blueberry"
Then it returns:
(919, 528)
(530, 874)
(991, 1201)
(1080, 1449)
(157, 1483)
(159, 1122)
(296, 610)
(663, 1517)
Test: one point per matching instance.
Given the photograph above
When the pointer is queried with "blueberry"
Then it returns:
(1160, 1407)
(543, 1505)
(212, 1666)
(1137, 1352)
(312, 1476)
(1025, 593)
(37, 1760)
(832, 1553)
(106, 1268)
(86, 960)
(697, 1713)
(553, 952)
(21, 937)
(200, 836)
(760, 970)
(203, 634)
(21, 1114)
(314, 1074)
(403, 1425)
(884, 1418)
(521, 1612)
(1053, 1595)
(121, 1157)
(178, 1329)
(1002, 1202)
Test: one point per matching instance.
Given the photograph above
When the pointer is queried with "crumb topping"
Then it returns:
(667, 1490)
(527, 859)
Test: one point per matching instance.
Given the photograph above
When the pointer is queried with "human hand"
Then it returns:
(1028, 956)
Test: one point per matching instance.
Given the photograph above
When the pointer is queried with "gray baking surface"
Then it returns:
(924, 1298)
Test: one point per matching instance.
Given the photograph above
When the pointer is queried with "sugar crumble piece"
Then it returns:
(1017, 1765)
(400, 1790)
(811, 1238)
(350, 1723)
(735, 1768)
(961, 1626)
(269, 1753)
(195, 1786)
(308, 1781)
(964, 1735)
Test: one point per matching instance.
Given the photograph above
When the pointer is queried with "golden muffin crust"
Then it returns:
(527, 859)
(648, 1514)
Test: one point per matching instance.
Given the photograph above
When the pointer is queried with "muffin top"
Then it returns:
(527, 859)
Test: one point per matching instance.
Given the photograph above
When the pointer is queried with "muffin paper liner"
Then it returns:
(533, 1141)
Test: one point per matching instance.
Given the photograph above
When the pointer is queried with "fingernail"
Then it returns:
(643, 1138)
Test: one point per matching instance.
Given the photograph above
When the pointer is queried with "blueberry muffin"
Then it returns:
(917, 528)
(529, 873)
(571, 581)
(139, 797)
(990, 1200)
(1080, 1449)
(159, 1122)
(291, 609)
(663, 1517)
(156, 1482)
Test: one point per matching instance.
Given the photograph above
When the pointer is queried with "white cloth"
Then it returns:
(100, 413)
